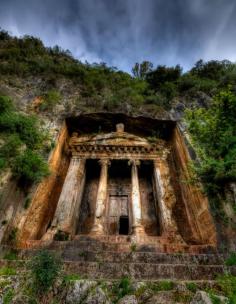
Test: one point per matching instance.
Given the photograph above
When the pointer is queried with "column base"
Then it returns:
(138, 230)
(56, 235)
(173, 236)
(97, 229)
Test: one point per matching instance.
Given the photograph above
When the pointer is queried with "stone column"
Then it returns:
(98, 226)
(137, 227)
(67, 212)
(166, 198)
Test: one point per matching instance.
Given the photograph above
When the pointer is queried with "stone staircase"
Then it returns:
(109, 257)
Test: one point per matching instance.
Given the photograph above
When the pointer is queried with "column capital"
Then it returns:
(75, 159)
(104, 162)
(134, 162)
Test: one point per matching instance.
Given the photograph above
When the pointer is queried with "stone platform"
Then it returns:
(111, 257)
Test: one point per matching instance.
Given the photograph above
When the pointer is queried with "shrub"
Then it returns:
(8, 296)
(191, 286)
(29, 167)
(11, 146)
(121, 289)
(51, 98)
(11, 255)
(227, 284)
(231, 261)
(5, 104)
(13, 236)
(61, 236)
(44, 269)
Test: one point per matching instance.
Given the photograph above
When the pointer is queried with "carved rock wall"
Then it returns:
(46, 195)
(193, 215)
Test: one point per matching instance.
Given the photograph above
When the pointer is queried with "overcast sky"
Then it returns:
(122, 32)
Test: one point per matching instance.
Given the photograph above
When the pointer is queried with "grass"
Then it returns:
(161, 286)
(8, 296)
(7, 271)
(72, 277)
(191, 287)
(11, 255)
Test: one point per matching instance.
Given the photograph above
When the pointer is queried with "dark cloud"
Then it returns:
(122, 32)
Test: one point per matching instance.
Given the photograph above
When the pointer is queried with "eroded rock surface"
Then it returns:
(79, 291)
(201, 297)
(129, 299)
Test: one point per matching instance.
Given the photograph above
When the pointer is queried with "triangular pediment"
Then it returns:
(113, 138)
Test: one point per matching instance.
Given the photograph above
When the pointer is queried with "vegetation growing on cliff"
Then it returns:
(21, 142)
(106, 88)
(214, 134)
(150, 89)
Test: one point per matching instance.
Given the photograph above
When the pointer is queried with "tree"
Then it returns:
(163, 74)
(213, 132)
(140, 70)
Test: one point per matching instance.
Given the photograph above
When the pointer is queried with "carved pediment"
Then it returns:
(117, 144)
(113, 138)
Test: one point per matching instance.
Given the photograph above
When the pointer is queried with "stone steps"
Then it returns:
(80, 255)
(147, 258)
(142, 257)
(144, 271)
(119, 246)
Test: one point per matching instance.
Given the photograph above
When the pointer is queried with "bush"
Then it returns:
(51, 98)
(231, 261)
(29, 167)
(227, 284)
(121, 289)
(213, 135)
(191, 286)
(44, 269)
(11, 146)
(5, 104)
(8, 296)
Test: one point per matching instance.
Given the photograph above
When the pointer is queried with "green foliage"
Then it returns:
(30, 167)
(8, 296)
(121, 289)
(213, 69)
(214, 131)
(140, 70)
(51, 98)
(161, 286)
(71, 277)
(11, 255)
(27, 202)
(7, 271)
(231, 260)
(11, 147)
(163, 74)
(133, 247)
(44, 269)
(227, 284)
(22, 138)
(5, 104)
(61, 236)
(12, 237)
(191, 286)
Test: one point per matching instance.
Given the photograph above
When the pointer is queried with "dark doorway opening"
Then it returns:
(124, 225)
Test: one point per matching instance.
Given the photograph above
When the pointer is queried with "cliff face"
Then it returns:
(66, 96)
